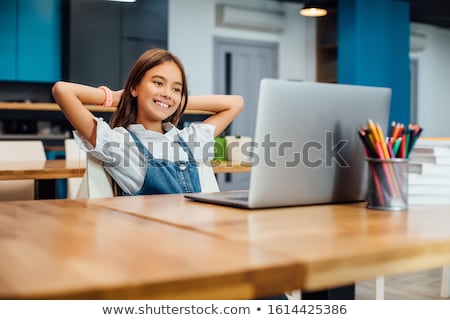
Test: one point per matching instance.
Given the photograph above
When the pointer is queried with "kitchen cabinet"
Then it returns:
(31, 40)
(87, 41)
(8, 39)
(104, 38)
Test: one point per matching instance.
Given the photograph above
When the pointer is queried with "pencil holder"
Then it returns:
(388, 184)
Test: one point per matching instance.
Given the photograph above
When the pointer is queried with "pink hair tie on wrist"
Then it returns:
(108, 96)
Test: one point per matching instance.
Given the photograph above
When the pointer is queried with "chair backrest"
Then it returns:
(16, 151)
(208, 180)
(74, 153)
(96, 182)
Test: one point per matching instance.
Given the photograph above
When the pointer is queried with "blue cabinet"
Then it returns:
(30, 34)
(8, 39)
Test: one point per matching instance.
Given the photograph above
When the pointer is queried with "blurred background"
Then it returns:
(227, 46)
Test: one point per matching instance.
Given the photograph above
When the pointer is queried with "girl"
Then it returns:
(142, 149)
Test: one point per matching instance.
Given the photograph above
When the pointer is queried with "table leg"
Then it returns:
(45, 189)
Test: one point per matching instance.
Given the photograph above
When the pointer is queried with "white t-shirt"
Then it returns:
(123, 161)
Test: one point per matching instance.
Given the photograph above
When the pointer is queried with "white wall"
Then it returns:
(192, 30)
(433, 94)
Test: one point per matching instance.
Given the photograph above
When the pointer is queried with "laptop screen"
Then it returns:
(306, 148)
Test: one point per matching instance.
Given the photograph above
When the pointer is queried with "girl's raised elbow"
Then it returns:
(239, 103)
(58, 88)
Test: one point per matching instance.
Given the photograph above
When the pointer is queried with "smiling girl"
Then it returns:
(141, 148)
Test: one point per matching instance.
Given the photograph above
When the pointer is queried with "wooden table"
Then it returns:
(333, 245)
(70, 249)
(44, 173)
(230, 167)
(41, 170)
(63, 169)
(167, 247)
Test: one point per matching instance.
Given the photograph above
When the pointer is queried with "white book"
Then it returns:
(431, 169)
(428, 199)
(424, 189)
(437, 151)
(420, 179)
(429, 158)
(433, 146)
(433, 142)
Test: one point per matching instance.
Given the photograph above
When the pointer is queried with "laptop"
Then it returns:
(306, 148)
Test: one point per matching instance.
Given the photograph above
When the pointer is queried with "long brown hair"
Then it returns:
(126, 112)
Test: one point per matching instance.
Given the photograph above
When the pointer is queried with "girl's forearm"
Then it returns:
(68, 92)
(71, 97)
(85, 94)
(214, 103)
(225, 109)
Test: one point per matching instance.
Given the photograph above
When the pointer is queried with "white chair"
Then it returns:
(17, 151)
(445, 282)
(208, 181)
(445, 285)
(74, 153)
(96, 182)
(379, 288)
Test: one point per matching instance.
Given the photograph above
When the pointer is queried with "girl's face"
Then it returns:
(159, 93)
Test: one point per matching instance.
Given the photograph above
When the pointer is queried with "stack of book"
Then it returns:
(429, 172)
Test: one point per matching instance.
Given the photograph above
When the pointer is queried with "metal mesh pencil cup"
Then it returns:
(387, 184)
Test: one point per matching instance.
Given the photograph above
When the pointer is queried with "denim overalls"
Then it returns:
(167, 177)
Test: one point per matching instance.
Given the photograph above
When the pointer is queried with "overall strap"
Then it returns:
(147, 153)
(140, 146)
(186, 148)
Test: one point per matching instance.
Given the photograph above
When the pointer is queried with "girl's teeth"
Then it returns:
(162, 104)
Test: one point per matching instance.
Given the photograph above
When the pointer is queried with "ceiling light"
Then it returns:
(313, 9)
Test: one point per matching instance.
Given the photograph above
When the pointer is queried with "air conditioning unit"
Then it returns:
(417, 42)
(248, 18)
